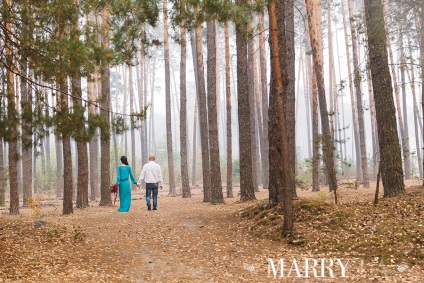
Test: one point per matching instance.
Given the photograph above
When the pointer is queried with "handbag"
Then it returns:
(114, 190)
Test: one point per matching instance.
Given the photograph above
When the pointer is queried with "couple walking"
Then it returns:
(151, 174)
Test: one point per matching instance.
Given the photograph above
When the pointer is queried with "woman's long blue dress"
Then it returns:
(124, 172)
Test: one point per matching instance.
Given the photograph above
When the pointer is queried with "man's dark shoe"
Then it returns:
(149, 207)
(155, 208)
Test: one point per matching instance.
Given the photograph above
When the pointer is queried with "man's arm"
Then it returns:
(160, 176)
(142, 175)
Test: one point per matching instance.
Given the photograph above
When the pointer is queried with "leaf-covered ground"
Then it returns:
(187, 240)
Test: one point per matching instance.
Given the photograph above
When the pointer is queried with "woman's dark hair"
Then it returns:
(124, 160)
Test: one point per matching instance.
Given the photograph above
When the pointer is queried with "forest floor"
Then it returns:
(187, 240)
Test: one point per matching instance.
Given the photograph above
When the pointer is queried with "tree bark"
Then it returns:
(172, 191)
(142, 101)
(355, 139)
(313, 9)
(2, 170)
(264, 89)
(27, 145)
(228, 100)
(105, 199)
(204, 133)
(247, 191)
(390, 152)
(405, 114)
(82, 150)
(132, 111)
(216, 185)
(196, 111)
(185, 183)
(251, 89)
(63, 112)
(12, 138)
(422, 63)
(291, 80)
(94, 144)
(358, 91)
(403, 133)
(280, 82)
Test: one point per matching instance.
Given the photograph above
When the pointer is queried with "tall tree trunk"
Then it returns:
(264, 89)
(422, 63)
(63, 112)
(411, 78)
(280, 82)
(355, 140)
(94, 144)
(26, 108)
(12, 137)
(247, 190)
(291, 80)
(105, 198)
(132, 111)
(405, 114)
(47, 135)
(185, 183)
(216, 186)
(196, 111)
(358, 91)
(152, 102)
(313, 8)
(204, 133)
(228, 100)
(124, 110)
(142, 101)
(172, 191)
(251, 89)
(390, 152)
(2, 170)
(82, 149)
(403, 133)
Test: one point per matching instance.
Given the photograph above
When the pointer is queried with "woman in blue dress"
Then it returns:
(124, 172)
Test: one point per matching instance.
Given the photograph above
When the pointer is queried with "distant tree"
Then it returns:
(169, 148)
(185, 183)
(313, 8)
(228, 100)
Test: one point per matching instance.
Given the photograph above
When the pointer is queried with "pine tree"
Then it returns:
(390, 152)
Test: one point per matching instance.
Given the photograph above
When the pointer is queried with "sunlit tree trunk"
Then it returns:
(185, 183)
(313, 8)
(390, 152)
(142, 101)
(2, 169)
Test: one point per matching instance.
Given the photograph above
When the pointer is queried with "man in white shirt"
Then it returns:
(152, 175)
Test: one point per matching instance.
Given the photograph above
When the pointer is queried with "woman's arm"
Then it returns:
(118, 176)
(132, 177)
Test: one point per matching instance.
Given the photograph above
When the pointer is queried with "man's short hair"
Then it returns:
(152, 156)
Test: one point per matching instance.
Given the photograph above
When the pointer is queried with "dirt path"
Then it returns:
(185, 240)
